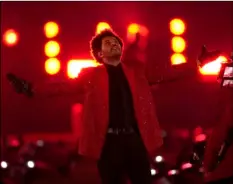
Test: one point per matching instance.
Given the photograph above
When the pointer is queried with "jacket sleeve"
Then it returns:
(66, 87)
(220, 131)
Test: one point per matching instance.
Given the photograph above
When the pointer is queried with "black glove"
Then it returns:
(21, 86)
(207, 56)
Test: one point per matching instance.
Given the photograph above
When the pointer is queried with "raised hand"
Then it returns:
(20, 86)
(207, 56)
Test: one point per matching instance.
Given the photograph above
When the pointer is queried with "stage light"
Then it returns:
(4, 164)
(177, 27)
(185, 166)
(51, 29)
(173, 172)
(14, 142)
(177, 59)
(30, 164)
(214, 63)
(52, 49)
(153, 172)
(134, 29)
(200, 138)
(178, 44)
(75, 66)
(10, 37)
(101, 26)
(213, 67)
(52, 66)
(159, 159)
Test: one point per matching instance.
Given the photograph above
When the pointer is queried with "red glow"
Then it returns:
(76, 119)
(200, 138)
(173, 172)
(10, 37)
(52, 66)
(213, 67)
(75, 66)
(51, 29)
(101, 26)
(186, 166)
(133, 29)
(178, 44)
(52, 49)
(177, 59)
(14, 143)
(177, 26)
(197, 131)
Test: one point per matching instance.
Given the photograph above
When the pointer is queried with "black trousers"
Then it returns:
(124, 155)
(223, 181)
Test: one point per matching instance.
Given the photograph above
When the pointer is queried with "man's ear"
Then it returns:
(100, 54)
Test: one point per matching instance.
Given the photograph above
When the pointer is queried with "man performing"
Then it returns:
(120, 128)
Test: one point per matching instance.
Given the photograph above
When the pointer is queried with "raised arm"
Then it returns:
(135, 57)
(51, 89)
(59, 88)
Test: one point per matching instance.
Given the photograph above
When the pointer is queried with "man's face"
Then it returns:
(111, 48)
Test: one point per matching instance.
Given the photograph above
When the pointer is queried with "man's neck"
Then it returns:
(113, 62)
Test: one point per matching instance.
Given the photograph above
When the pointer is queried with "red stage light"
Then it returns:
(178, 44)
(133, 29)
(75, 66)
(52, 49)
(213, 67)
(177, 59)
(101, 26)
(52, 66)
(10, 37)
(51, 29)
(177, 26)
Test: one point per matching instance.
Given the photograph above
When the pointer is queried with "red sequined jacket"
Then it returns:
(96, 108)
(219, 134)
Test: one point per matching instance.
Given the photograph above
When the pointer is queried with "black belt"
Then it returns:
(118, 131)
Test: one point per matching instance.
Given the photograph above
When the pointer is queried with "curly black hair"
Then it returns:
(96, 43)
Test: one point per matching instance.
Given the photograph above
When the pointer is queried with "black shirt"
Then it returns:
(121, 109)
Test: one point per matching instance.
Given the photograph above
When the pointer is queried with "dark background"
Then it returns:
(186, 103)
